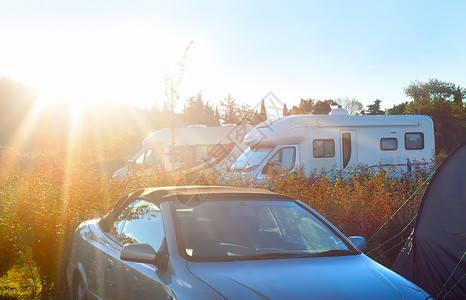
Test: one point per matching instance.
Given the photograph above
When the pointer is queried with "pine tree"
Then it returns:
(230, 111)
(263, 112)
(285, 110)
(261, 115)
(374, 108)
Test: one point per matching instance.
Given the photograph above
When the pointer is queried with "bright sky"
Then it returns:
(120, 50)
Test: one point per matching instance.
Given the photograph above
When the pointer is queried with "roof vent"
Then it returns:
(339, 112)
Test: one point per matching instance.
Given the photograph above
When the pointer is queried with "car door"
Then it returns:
(140, 222)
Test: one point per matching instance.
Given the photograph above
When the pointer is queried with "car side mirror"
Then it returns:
(359, 242)
(143, 253)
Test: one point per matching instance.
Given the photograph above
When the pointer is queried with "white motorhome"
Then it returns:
(337, 140)
(195, 147)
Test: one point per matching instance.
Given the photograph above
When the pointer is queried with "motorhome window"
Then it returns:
(414, 141)
(283, 159)
(151, 158)
(388, 144)
(346, 146)
(140, 159)
(324, 148)
(251, 158)
(183, 154)
(201, 153)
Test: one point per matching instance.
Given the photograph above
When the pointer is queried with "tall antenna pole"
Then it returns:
(172, 126)
(174, 92)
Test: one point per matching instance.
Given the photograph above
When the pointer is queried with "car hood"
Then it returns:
(354, 277)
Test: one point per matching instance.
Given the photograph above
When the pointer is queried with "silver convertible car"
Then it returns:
(223, 243)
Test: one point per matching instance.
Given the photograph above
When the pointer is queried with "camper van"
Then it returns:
(193, 147)
(338, 140)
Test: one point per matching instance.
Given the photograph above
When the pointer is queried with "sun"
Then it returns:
(92, 67)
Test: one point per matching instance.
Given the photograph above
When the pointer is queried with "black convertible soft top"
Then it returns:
(191, 194)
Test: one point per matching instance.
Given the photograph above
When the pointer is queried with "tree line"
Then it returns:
(123, 126)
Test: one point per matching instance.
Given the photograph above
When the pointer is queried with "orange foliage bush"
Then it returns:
(42, 203)
(359, 201)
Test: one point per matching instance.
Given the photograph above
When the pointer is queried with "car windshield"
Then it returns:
(257, 229)
(250, 158)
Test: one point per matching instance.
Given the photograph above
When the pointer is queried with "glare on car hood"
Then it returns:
(353, 277)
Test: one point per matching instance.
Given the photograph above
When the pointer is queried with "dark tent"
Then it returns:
(434, 255)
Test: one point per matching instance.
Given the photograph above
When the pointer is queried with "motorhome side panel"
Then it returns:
(319, 150)
(393, 145)
(195, 146)
(369, 145)
(392, 141)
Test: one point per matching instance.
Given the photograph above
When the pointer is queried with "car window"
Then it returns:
(140, 222)
(223, 230)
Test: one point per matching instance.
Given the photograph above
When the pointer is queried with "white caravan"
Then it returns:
(337, 140)
(195, 147)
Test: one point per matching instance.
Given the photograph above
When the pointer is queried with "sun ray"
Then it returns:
(22, 137)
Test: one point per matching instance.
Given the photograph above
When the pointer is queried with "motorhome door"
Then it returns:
(348, 148)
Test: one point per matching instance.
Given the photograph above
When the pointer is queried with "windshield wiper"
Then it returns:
(244, 169)
(334, 252)
(276, 255)
(328, 253)
(250, 168)
(284, 255)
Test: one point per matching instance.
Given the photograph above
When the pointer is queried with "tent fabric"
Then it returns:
(433, 256)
